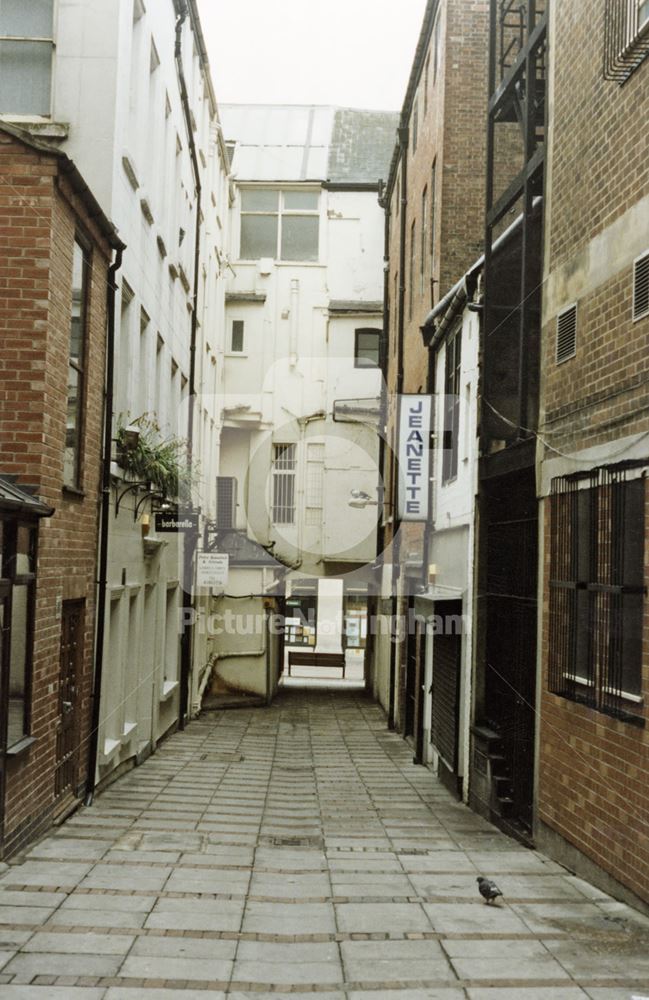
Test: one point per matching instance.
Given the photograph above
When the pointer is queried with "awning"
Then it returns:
(21, 500)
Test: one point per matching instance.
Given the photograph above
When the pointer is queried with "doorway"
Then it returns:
(70, 668)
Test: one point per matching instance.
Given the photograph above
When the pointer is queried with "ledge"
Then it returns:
(168, 689)
(129, 731)
(19, 748)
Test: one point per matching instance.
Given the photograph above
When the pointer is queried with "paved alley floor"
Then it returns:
(297, 850)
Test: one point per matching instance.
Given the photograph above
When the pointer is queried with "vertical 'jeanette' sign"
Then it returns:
(414, 457)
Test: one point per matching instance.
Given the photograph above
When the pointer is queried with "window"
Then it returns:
(426, 81)
(626, 38)
(424, 241)
(26, 46)
(413, 249)
(236, 344)
(433, 213)
(415, 124)
(643, 14)
(284, 463)
(283, 225)
(315, 458)
(367, 346)
(17, 593)
(76, 361)
(597, 589)
(451, 406)
(437, 45)
(395, 312)
(144, 373)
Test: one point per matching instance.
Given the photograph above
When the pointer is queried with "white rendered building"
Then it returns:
(104, 80)
(301, 384)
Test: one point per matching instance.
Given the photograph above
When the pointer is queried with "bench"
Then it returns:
(306, 658)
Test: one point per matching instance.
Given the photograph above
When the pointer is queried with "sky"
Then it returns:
(352, 53)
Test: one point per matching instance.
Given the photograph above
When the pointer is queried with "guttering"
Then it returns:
(441, 317)
(190, 542)
(404, 142)
(93, 746)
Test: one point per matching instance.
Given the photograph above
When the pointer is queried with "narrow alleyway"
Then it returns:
(297, 849)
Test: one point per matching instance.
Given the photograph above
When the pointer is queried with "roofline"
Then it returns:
(430, 15)
(71, 172)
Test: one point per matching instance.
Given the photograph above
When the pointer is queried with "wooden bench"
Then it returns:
(306, 658)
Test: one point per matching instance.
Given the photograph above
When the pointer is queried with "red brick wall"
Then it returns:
(38, 219)
(593, 769)
(451, 134)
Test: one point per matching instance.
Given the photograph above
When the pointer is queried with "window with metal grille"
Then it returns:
(452, 406)
(284, 463)
(314, 499)
(26, 47)
(226, 502)
(641, 287)
(626, 37)
(566, 334)
(597, 589)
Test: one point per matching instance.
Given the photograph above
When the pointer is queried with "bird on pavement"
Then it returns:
(488, 889)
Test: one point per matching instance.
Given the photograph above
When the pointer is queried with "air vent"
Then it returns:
(641, 287)
(567, 334)
(226, 501)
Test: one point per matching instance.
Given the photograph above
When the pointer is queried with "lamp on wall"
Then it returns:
(359, 499)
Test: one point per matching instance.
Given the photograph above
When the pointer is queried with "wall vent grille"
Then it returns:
(641, 287)
(566, 334)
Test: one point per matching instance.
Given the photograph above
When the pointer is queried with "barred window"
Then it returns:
(284, 463)
(597, 590)
(626, 37)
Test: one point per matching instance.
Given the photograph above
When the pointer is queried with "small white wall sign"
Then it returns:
(212, 570)
(414, 457)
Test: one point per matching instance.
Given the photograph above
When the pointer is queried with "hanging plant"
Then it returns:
(160, 461)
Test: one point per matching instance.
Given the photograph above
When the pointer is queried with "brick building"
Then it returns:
(55, 251)
(434, 203)
(593, 799)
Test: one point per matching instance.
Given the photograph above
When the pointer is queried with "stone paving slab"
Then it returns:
(296, 852)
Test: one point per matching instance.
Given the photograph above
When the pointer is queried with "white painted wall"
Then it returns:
(116, 92)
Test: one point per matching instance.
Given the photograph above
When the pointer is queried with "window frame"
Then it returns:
(280, 213)
(80, 367)
(594, 615)
(9, 579)
(237, 352)
(451, 403)
(284, 469)
(358, 358)
(35, 40)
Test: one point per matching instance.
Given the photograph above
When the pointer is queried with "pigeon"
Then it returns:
(488, 889)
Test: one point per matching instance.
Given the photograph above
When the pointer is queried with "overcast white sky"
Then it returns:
(354, 53)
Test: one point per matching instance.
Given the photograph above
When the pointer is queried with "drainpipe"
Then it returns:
(383, 417)
(294, 322)
(93, 746)
(190, 542)
(403, 133)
